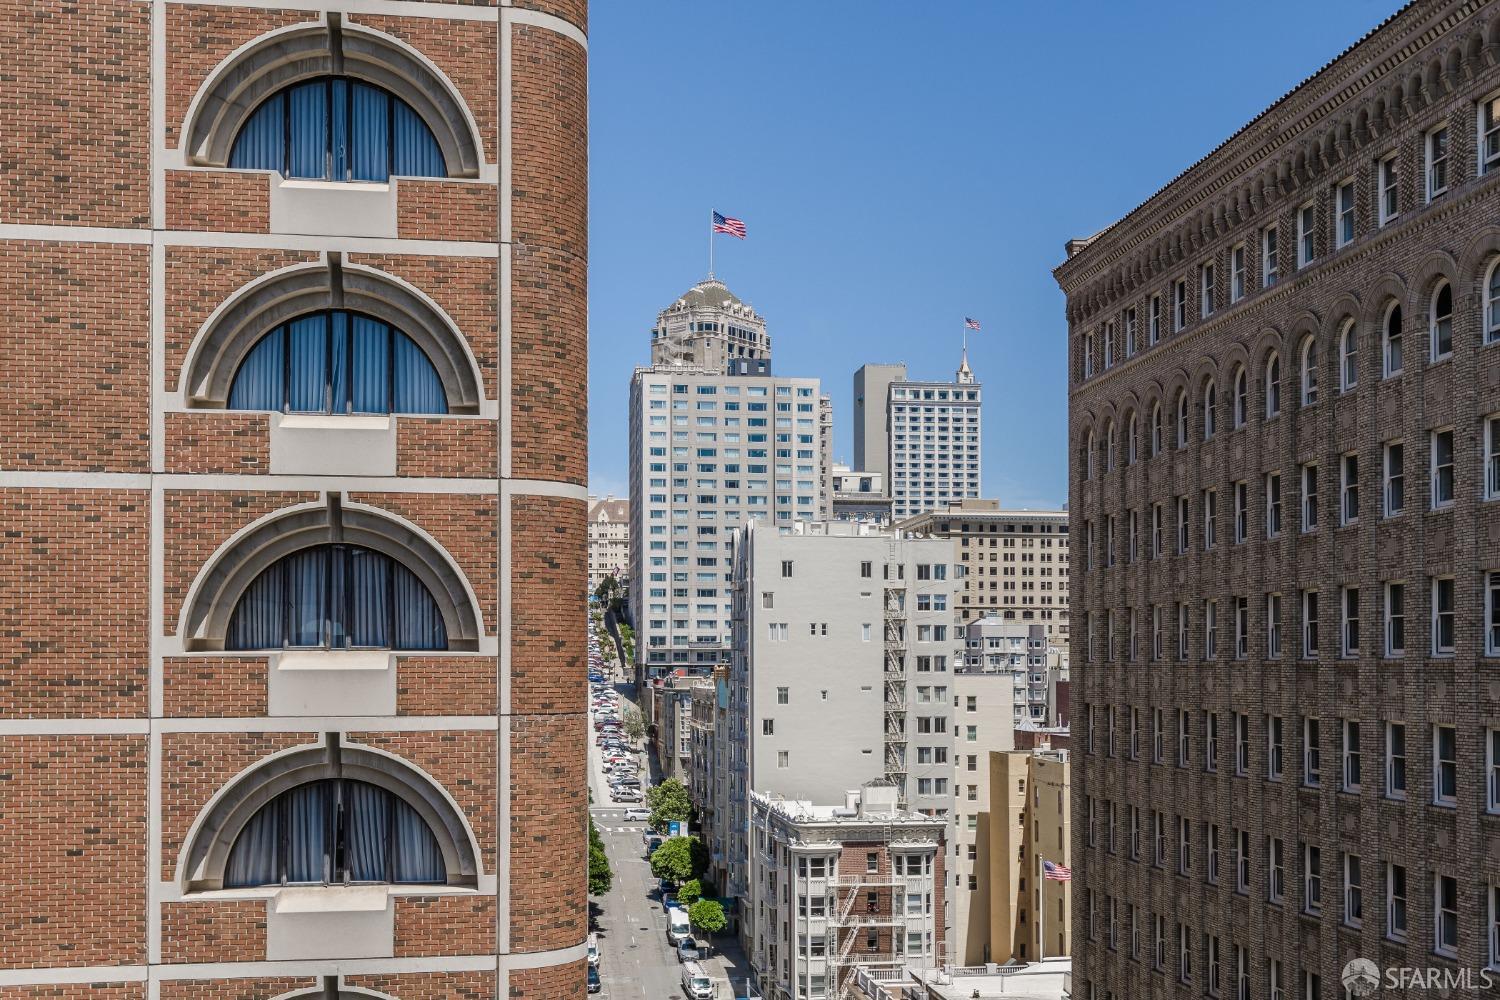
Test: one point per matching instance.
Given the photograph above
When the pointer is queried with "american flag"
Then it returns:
(726, 224)
(1057, 873)
(971, 323)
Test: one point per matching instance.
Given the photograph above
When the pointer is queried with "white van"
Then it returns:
(679, 928)
(593, 949)
(695, 982)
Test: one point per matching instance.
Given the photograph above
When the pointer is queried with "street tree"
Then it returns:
(707, 915)
(679, 860)
(601, 876)
(668, 801)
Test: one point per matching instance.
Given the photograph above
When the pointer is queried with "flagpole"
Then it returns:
(710, 243)
(1041, 910)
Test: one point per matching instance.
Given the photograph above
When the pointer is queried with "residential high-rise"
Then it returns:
(835, 888)
(838, 629)
(711, 448)
(1019, 652)
(1285, 459)
(609, 539)
(923, 437)
(1015, 561)
(293, 495)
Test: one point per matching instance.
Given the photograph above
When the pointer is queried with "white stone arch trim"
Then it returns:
(204, 616)
(291, 54)
(205, 849)
(342, 992)
(239, 322)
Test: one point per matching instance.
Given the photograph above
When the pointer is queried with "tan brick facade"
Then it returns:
(135, 738)
(1347, 684)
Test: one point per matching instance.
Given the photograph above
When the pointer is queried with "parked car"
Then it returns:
(695, 982)
(594, 984)
(688, 950)
(625, 794)
(593, 952)
(678, 926)
(637, 813)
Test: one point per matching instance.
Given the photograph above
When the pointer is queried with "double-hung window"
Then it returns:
(1349, 623)
(1210, 518)
(1395, 760)
(1153, 321)
(1489, 134)
(1354, 893)
(1393, 492)
(1268, 254)
(1238, 279)
(1273, 626)
(1492, 456)
(1349, 756)
(1445, 915)
(1492, 613)
(1306, 235)
(1241, 512)
(1309, 624)
(1130, 332)
(1395, 902)
(1444, 766)
(1391, 343)
(1312, 754)
(1343, 227)
(1390, 188)
(1443, 616)
(1179, 304)
(1275, 742)
(1442, 468)
(1395, 620)
(1440, 323)
(1206, 289)
(1349, 489)
(1436, 149)
(1312, 878)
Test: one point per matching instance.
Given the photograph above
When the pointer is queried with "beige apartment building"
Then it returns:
(609, 539)
(1030, 915)
(1015, 561)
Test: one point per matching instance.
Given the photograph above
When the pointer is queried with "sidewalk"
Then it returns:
(728, 962)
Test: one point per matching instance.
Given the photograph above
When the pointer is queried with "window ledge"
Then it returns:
(335, 421)
(327, 898)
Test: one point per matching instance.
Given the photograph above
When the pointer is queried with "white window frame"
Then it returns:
(1444, 916)
(1388, 187)
(1492, 613)
(1109, 345)
(1490, 293)
(1312, 879)
(1239, 405)
(1210, 410)
(1348, 357)
(1273, 626)
(1394, 592)
(1273, 504)
(1241, 512)
(1487, 133)
(1443, 765)
(1439, 324)
(1239, 256)
(1312, 752)
(1307, 372)
(1153, 321)
(1492, 770)
(1436, 163)
(1130, 333)
(1491, 472)
(1397, 902)
(1351, 761)
(1393, 478)
(1444, 473)
(1308, 498)
(1392, 348)
(1273, 385)
(1343, 213)
(1349, 623)
(1270, 252)
(1394, 731)
(1275, 748)
(1439, 647)
(1307, 215)
(1179, 304)
(1088, 354)
(1206, 289)
(1182, 410)
(1349, 488)
(1353, 906)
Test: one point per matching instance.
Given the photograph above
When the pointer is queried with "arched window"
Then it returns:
(1492, 303)
(337, 129)
(1440, 322)
(1088, 455)
(335, 832)
(335, 361)
(1210, 410)
(1182, 418)
(1273, 385)
(1348, 357)
(1133, 442)
(1109, 446)
(1390, 338)
(1158, 442)
(1309, 371)
(1241, 407)
(336, 597)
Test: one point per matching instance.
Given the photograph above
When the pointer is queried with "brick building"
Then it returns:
(1283, 385)
(292, 454)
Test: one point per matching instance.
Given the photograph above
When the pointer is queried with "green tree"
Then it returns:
(690, 892)
(679, 860)
(601, 876)
(635, 726)
(667, 801)
(707, 915)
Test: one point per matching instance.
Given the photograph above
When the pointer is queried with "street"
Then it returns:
(637, 962)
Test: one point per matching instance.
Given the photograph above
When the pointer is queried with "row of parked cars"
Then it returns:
(622, 768)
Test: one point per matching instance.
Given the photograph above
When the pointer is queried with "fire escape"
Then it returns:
(895, 688)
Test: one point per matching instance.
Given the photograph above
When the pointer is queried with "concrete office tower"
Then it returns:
(1031, 916)
(1015, 561)
(1282, 415)
(838, 629)
(709, 452)
(609, 539)
(924, 438)
(984, 720)
(836, 888)
(293, 493)
(709, 327)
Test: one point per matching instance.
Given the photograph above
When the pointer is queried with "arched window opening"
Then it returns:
(1133, 445)
(336, 597)
(1088, 455)
(1309, 372)
(337, 129)
(1210, 409)
(335, 361)
(1492, 303)
(1157, 442)
(1392, 359)
(1109, 446)
(1348, 358)
(1441, 322)
(1241, 407)
(335, 832)
(1182, 418)
(1273, 385)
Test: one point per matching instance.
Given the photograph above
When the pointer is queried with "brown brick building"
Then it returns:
(1285, 505)
(292, 465)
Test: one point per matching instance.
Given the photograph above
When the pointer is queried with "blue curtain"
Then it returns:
(367, 831)
(306, 589)
(418, 857)
(253, 858)
(370, 133)
(372, 366)
(417, 386)
(369, 603)
(307, 372)
(418, 622)
(258, 621)
(258, 383)
(307, 114)
(261, 144)
(336, 596)
(337, 129)
(305, 828)
(414, 149)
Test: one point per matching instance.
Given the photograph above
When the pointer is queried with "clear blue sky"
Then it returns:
(901, 166)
